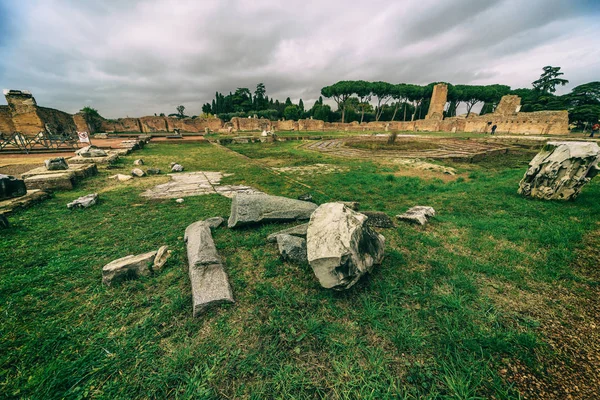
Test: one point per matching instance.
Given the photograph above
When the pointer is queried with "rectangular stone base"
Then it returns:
(33, 196)
(56, 181)
(40, 178)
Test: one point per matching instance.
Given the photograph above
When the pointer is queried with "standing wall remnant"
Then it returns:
(438, 102)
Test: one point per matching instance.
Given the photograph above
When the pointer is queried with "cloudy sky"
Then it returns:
(135, 58)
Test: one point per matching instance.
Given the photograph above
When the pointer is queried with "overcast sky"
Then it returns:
(135, 58)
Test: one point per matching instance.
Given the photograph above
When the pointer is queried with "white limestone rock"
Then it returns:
(560, 170)
(138, 172)
(84, 201)
(341, 247)
(91, 151)
(128, 267)
(417, 215)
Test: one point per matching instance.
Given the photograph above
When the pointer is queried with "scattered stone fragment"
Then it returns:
(121, 177)
(179, 201)
(176, 168)
(353, 205)
(138, 172)
(305, 197)
(210, 285)
(139, 161)
(84, 201)
(249, 209)
(560, 170)
(378, 219)
(292, 248)
(162, 255)
(56, 164)
(153, 171)
(4, 224)
(298, 231)
(91, 151)
(418, 215)
(127, 267)
(11, 187)
(340, 246)
(214, 222)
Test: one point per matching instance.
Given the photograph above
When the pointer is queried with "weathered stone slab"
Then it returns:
(50, 182)
(292, 248)
(84, 201)
(418, 215)
(91, 151)
(127, 267)
(195, 184)
(210, 285)
(79, 171)
(341, 248)
(560, 170)
(378, 219)
(11, 187)
(109, 159)
(249, 209)
(32, 197)
(298, 231)
(139, 161)
(56, 164)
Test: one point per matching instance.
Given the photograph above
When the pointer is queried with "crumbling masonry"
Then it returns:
(23, 115)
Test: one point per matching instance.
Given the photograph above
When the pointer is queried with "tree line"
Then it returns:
(365, 101)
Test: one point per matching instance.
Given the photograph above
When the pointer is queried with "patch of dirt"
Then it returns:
(311, 169)
(400, 144)
(17, 169)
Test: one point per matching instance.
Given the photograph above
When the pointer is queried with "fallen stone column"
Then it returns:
(560, 170)
(255, 208)
(210, 285)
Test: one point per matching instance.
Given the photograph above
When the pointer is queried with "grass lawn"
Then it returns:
(483, 302)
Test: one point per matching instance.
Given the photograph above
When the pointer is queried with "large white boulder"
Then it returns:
(340, 246)
(560, 170)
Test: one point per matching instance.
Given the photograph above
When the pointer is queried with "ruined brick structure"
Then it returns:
(23, 115)
(438, 102)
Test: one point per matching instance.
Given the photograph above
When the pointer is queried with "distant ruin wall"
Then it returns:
(80, 123)
(56, 121)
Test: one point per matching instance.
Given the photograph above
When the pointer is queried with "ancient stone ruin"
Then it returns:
(24, 115)
(11, 187)
(340, 245)
(560, 170)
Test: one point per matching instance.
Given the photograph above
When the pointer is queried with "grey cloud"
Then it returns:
(140, 57)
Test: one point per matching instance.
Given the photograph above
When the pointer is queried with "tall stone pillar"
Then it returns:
(23, 110)
(438, 102)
